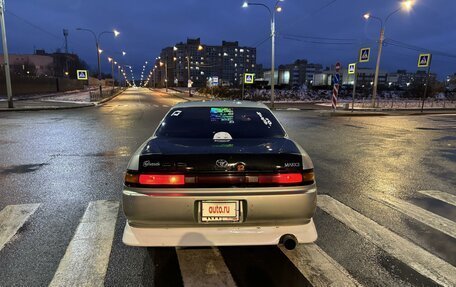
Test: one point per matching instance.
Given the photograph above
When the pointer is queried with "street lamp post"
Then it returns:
(111, 60)
(405, 5)
(9, 90)
(99, 51)
(272, 12)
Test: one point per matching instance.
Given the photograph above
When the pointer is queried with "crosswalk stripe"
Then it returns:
(156, 106)
(416, 257)
(435, 221)
(318, 267)
(165, 106)
(203, 267)
(12, 217)
(443, 196)
(87, 256)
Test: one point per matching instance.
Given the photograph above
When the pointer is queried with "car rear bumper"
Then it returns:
(216, 236)
(277, 206)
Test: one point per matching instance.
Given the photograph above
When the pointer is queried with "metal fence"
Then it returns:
(430, 103)
(107, 92)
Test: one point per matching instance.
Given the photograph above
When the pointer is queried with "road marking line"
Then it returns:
(435, 221)
(416, 257)
(156, 106)
(12, 217)
(165, 106)
(203, 267)
(318, 267)
(440, 195)
(86, 259)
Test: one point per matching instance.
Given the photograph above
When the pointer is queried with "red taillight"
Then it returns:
(161, 179)
(284, 178)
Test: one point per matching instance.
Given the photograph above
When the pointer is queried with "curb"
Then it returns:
(53, 108)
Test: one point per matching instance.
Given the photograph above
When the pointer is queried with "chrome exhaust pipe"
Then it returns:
(289, 241)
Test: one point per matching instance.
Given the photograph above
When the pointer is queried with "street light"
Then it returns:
(99, 51)
(272, 12)
(405, 5)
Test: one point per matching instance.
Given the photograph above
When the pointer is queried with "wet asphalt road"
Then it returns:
(66, 159)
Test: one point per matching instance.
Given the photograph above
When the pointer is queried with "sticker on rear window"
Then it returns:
(176, 113)
(222, 115)
(265, 120)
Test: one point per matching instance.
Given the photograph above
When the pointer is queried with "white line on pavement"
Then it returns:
(440, 195)
(414, 256)
(203, 267)
(318, 267)
(165, 106)
(86, 259)
(156, 106)
(435, 221)
(12, 217)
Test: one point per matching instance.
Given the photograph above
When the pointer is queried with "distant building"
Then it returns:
(267, 76)
(228, 62)
(299, 73)
(30, 64)
(42, 64)
(365, 77)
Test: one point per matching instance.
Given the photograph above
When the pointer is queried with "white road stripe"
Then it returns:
(203, 267)
(86, 259)
(433, 220)
(12, 218)
(165, 106)
(156, 106)
(440, 195)
(318, 267)
(414, 256)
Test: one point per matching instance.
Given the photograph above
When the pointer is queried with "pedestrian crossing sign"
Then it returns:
(351, 68)
(424, 60)
(248, 78)
(364, 55)
(82, 74)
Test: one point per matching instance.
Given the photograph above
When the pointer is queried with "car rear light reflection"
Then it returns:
(161, 179)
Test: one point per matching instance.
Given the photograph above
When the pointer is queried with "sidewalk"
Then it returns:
(56, 101)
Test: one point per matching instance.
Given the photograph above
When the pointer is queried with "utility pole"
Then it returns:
(9, 91)
(377, 67)
(272, 58)
(65, 34)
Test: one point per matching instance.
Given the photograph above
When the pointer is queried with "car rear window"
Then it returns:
(205, 122)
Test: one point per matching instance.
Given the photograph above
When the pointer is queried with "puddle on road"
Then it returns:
(446, 138)
(121, 151)
(24, 168)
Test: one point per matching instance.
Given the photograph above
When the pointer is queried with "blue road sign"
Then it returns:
(364, 54)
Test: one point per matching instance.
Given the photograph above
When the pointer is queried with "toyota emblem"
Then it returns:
(221, 163)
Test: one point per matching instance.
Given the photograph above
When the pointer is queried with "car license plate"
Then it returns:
(220, 211)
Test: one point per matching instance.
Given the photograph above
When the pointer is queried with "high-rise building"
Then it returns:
(228, 62)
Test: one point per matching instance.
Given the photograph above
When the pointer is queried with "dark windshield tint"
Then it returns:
(205, 122)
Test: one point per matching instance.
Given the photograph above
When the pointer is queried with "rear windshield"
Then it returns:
(209, 122)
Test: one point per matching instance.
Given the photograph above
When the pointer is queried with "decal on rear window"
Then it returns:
(265, 120)
(222, 115)
(176, 113)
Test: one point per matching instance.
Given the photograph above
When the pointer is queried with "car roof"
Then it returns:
(221, 104)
